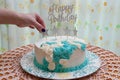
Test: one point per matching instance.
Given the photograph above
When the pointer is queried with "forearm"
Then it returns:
(9, 17)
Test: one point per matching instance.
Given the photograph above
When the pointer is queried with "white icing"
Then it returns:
(63, 61)
(49, 58)
(49, 51)
(51, 66)
(76, 58)
(78, 45)
(59, 44)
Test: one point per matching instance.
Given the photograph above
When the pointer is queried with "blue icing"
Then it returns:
(83, 47)
(63, 52)
(43, 67)
(50, 43)
(45, 62)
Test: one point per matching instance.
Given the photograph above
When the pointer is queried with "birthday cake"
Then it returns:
(60, 54)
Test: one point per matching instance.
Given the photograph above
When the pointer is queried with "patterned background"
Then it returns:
(98, 23)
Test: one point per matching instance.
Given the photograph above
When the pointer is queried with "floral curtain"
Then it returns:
(95, 21)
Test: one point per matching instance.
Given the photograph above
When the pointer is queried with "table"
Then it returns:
(10, 68)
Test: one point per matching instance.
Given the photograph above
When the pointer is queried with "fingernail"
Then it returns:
(43, 30)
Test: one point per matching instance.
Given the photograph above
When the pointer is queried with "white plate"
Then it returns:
(93, 65)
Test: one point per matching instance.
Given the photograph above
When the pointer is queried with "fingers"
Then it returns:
(40, 21)
(38, 26)
(22, 26)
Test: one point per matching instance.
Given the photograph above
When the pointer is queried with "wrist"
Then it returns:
(19, 19)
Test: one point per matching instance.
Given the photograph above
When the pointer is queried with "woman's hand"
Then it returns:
(31, 20)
